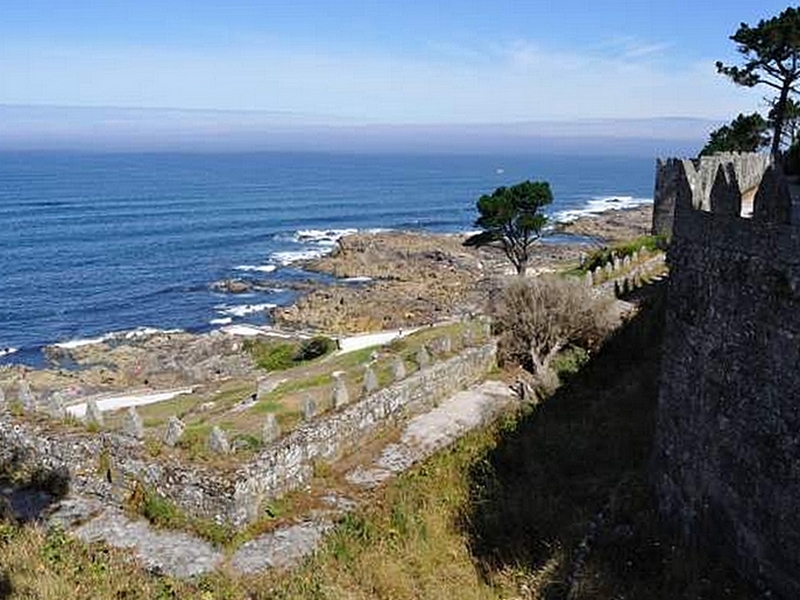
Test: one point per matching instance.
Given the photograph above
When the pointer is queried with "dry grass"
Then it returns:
(503, 513)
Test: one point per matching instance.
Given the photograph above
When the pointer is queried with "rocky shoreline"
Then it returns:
(415, 279)
(386, 280)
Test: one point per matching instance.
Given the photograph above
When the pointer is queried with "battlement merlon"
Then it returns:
(730, 178)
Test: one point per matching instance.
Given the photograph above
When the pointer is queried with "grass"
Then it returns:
(552, 503)
(601, 257)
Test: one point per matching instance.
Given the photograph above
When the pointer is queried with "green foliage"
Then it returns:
(569, 362)
(279, 356)
(744, 134)
(511, 219)
(275, 356)
(605, 255)
(314, 348)
(161, 512)
(771, 53)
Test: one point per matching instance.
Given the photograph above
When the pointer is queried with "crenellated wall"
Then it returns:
(748, 169)
(727, 457)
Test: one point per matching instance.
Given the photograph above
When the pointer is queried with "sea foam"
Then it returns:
(256, 268)
(133, 334)
(242, 310)
(597, 206)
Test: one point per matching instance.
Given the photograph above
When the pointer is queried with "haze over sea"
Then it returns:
(100, 243)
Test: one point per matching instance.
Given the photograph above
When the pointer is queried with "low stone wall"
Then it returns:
(108, 464)
(289, 463)
(700, 173)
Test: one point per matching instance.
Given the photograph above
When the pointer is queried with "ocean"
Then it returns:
(95, 245)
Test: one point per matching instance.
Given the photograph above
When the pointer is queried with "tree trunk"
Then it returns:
(780, 117)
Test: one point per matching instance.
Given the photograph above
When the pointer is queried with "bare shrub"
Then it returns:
(536, 318)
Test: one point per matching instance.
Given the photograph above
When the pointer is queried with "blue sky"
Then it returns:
(367, 63)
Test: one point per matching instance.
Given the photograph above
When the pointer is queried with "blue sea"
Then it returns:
(94, 244)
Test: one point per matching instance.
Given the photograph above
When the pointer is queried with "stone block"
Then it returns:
(773, 203)
(370, 383)
(588, 279)
(218, 441)
(53, 405)
(422, 357)
(398, 369)
(725, 197)
(309, 408)
(93, 413)
(174, 431)
(340, 394)
(26, 398)
(132, 424)
(271, 430)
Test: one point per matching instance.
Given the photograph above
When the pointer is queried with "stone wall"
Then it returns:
(108, 464)
(748, 169)
(727, 453)
(289, 463)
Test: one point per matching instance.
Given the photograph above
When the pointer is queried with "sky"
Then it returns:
(73, 68)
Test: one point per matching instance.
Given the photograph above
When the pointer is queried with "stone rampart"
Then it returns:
(727, 456)
(107, 464)
(700, 173)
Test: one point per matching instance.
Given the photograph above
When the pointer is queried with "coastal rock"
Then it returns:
(218, 441)
(271, 430)
(231, 286)
(174, 431)
(132, 425)
(370, 380)
(94, 415)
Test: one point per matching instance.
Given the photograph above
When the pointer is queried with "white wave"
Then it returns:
(222, 321)
(8, 351)
(360, 279)
(78, 343)
(322, 236)
(242, 310)
(141, 332)
(597, 206)
(257, 268)
(293, 256)
(133, 334)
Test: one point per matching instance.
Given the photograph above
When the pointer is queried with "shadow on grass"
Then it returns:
(564, 499)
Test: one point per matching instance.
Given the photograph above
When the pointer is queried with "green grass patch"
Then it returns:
(280, 356)
(601, 257)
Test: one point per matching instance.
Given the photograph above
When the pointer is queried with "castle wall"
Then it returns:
(727, 452)
(701, 172)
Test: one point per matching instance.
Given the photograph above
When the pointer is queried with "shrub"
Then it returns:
(536, 318)
(272, 356)
(314, 348)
